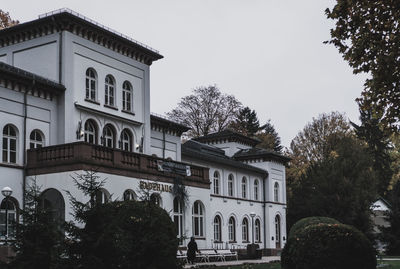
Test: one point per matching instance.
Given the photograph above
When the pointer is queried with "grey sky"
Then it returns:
(268, 53)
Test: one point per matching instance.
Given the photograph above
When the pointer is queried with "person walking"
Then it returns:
(192, 249)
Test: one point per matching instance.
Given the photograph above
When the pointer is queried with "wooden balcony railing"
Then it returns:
(81, 156)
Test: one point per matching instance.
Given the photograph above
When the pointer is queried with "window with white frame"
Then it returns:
(231, 185)
(90, 132)
(256, 195)
(245, 230)
(277, 230)
(91, 84)
(127, 96)
(244, 187)
(216, 182)
(102, 196)
(178, 218)
(257, 228)
(36, 140)
(198, 219)
(129, 195)
(217, 229)
(276, 192)
(9, 144)
(126, 140)
(108, 136)
(109, 91)
(8, 231)
(232, 229)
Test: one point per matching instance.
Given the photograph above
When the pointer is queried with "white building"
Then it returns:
(75, 96)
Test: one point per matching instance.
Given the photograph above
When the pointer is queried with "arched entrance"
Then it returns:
(53, 201)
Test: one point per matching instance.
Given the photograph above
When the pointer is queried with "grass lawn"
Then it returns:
(389, 264)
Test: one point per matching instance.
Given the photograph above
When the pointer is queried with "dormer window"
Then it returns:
(91, 84)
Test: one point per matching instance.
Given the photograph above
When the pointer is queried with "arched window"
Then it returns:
(8, 231)
(216, 182)
(256, 196)
(178, 218)
(53, 202)
(102, 196)
(91, 84)
(108, 136)
(244, 187)
(217, 229)
(198, 219)
(129, 195)
(278, 231)
(109, 91)
(155, 198)
(257, 228)
(90, 132)
(36, 140)
(245, 230)
(232, 229)
(126, 140)
(126, 96)
(231, 185)
(276, 192)
(9, 144)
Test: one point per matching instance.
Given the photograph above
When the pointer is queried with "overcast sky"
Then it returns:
(268, 53)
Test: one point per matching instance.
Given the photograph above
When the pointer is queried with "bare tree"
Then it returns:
(206, 110)
(5, 20)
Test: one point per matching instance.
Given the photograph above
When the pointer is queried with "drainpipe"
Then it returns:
(24, 147)
(163, 143)
(264, 213)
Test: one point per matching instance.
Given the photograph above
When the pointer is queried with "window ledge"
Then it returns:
(11, 165)
(92, 101)
(217, 242)
(128, 112)
(199, 238)
(112, 107)
(232, 242)
(247, 242)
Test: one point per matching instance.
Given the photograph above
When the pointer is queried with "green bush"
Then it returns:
(128, 235)
(328, 246)
(301, 224)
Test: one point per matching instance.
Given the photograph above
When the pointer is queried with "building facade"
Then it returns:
(75, 97)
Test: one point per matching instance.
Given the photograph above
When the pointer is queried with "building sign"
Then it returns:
(153, 186)
(173, 167)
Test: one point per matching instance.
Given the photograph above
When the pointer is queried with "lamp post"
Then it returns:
(252, 215)
(6, 191)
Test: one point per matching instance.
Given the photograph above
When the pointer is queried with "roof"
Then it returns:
(257, 153)
(68, 20)
(168, 124)
(212, 154)
(10, 72)
(230, 136)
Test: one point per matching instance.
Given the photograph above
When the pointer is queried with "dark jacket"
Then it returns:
(192, 249)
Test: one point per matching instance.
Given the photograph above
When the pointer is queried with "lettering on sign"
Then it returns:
(153, 186)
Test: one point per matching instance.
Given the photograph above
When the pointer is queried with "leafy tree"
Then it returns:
(391, 234)
(378, 140)
(315, 142)
(269, 137)
(6, 21)
(40, 238)
(246, 122)
(206, 110)
(367, 34)
(341, 186)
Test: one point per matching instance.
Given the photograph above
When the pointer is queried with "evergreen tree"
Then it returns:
(39, 240)
(391, 234)
(246, 122)
(378, 141)
(269, 137)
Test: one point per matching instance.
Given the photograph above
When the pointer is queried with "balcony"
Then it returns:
(84, 156)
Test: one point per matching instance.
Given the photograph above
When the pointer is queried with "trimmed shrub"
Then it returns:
(303, 223)
(328, 246)
(128, 234)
